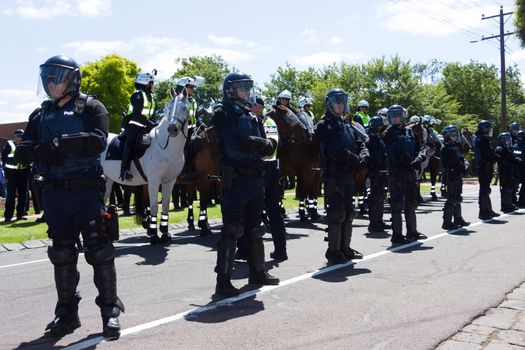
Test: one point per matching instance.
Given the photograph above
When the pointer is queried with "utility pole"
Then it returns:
(501, 37)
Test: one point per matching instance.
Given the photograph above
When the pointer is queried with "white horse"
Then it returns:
(162, 162)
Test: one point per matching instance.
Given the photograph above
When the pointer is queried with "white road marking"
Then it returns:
(225, 302)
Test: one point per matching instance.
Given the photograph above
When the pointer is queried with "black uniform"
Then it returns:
(341, 149)
(454, 166)
(485, 158)
(378, 180)
(405, 155)
(65, 145)
(17, 177)
(508, 171)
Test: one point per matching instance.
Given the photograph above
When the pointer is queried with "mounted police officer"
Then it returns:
(17, 176)
(305, 115)
(242, 149)
(64, 141)
(454, 167)
(485, 158)
(342, 151)
(140, 119)
(508, 170)
(191, 84)
(361, 115)
(405, 156)
(378, 175)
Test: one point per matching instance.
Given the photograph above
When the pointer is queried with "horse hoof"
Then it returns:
(191, 227)
(303, 219)
(164, 229)
(152, 232)
(204, 225)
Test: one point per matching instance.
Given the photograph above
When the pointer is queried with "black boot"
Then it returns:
(414, 236)
(262, 278)
(125, 164)
(224, 286)
(110, 322)
(449, 225)
(335, 257)
(461, 222)
(352, 254)
(66, 318)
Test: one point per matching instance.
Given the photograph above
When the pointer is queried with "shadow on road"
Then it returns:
(219, 314)
(417, 247)
(377, 235)
(341, 275)
(46, 342)
(462, 232)
(151, 255)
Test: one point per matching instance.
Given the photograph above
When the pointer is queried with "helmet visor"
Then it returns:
(56, 81)
(244, 91)
(395, 117)
(338, 104)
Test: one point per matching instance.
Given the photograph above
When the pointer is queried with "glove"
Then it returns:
(79, 144)
(48, 152)
(24, 153)
(365, 155)
(416, 164)
(498, 150)
(256, 144)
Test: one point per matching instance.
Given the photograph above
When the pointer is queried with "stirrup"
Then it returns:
(125, 176)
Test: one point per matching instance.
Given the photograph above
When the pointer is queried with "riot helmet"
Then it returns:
(376, 125)
(485, 128)
(362, 104)
(60, 76)
(504, 139)
(336, 102)
(305, 102)
(383, 112)
(520, 137)
(238, 88)
(451, 133)
(396, 115)
(514, 127)
(426, 120)
(415, 119)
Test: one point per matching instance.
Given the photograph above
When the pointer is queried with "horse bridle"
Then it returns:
(182, 124)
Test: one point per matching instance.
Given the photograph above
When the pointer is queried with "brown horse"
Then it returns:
(299, 155)
(205, 166)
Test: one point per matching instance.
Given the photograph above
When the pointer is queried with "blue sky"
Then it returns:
(254, 36)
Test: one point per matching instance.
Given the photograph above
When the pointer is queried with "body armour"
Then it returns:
(401, 146)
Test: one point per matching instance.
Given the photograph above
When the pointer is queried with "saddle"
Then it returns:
(116, 148)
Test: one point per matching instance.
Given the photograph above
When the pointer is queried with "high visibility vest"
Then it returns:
(149, 106)
(11, 162)
(192, 114)
(364, 117)
(270, 128)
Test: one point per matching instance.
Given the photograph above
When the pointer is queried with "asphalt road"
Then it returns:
(411, 297)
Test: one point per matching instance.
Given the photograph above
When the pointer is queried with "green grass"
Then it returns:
(26, 230)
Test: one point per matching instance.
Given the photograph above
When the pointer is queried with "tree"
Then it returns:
(475, 86)
(519, 18)
(213, 68)
(111, 79)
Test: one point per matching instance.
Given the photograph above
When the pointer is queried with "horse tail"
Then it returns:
(141, 202)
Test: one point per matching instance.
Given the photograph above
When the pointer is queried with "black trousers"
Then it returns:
(17, 186)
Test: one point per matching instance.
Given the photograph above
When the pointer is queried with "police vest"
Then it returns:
(342, 137)
(11, 162)
(55, 122)
(149, 106)
(270, 128)
(364, 117)
(401, 147)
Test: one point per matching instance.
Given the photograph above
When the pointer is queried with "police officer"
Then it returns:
(514, 127)
(242, 149)
(17, 176)
(305, 115)
(454, 167)
(485, 158)
(405, 156)
(508, 170)
(361, 115)
(383, 113)
(65, 141)
(519, 152)
(341, 149)
(377, 173)
(140, 119)
(191, 84)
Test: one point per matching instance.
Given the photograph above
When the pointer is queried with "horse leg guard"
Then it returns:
(203, 224)
(64, 256)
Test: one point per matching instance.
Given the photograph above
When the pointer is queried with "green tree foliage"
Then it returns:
(475, 86)
(213, 68)
(111, 79)
(519, 18)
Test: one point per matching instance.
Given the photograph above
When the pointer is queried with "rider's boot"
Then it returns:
(125, 175)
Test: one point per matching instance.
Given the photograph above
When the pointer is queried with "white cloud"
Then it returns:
(335, 40)
(323, 58)
(310, 35)
(21, 102)
(161, 52)
(49, 9)
(430, 17)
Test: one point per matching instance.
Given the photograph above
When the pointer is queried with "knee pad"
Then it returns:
(62, 255)
(100, 255)
(336, 215)
(257, 231)
(232, 230)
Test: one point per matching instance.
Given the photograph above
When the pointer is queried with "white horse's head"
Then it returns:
(177, 111)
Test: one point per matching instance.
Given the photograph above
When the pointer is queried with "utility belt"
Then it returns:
(72, 183)
(228, 173)
(249, 171)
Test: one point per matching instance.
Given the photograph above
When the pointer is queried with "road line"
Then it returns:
(248, 294)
